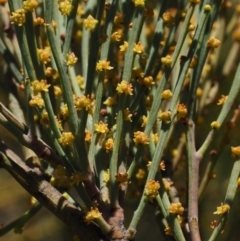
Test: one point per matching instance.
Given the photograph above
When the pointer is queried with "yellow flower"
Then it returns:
(66, 139)
(141, 174)
(108, 144)
(36, 101)
(59, 177)
(18, 17)
(91, 215)
(49, 72)
(224, 208)
(38, 86)
(181, 111)
(176, 208)
(166, 94)
(88, 136)
(81, 102)
(122, 177)
(90, 23)
(167, 18)
(147, 81)
(103, 65)
(116, 36)
(168, 231)
(151, 189)
(161, 166)
(57, 90)
(30, 5)
(123, 47)
(215, 125)
(213, 43)
(101, 127)
(44, 55)
(106, 176)
(44, 119)
(235, 151)
(80, 81)
(144, 120)
(167, 60)
(139, 3)
(222, 100)
(71, 59)
(167, 184)
(124, 87)
(199, 92)
(193, 62)
(138, 48)
(65, 7)
(127, 116)
(38, 21)
(165, 116)
(110, 101)
(118, 19)
(155, 138)
(64, 111)
(140, 138)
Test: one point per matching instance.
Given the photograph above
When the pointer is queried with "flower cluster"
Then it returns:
(81, 102)
(36, 101)
(91, 215)
(90, 23)
(44, 55)
(101, 127)
(151, 189)
(138, 48)
(65, 7)
(213, 43)
(235, 151)
(108, 144)
(30, 5)
(66, 139)
(176, 208)
(110, 101)
(122, 177)
(124, 88)
(123, 47)
(38, 86)
(165, 116)
(224, 208)
(139, 3)
(18, 17)
(215, 125)
(103, 65)
(88, 136)
(166, 94)
(71, 59)
(181, 111)
(59, 177)
(140, 138)
(167, 60)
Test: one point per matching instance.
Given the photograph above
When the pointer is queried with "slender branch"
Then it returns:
(193, 176)
(33, 180)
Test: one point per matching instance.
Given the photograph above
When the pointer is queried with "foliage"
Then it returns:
(111, 99)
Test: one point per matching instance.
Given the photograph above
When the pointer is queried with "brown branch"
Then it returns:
(193, 176)
(33, 181)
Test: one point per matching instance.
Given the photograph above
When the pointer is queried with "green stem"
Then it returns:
(127, 70)
(231, 192)
(225, 110)
(64, 79)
